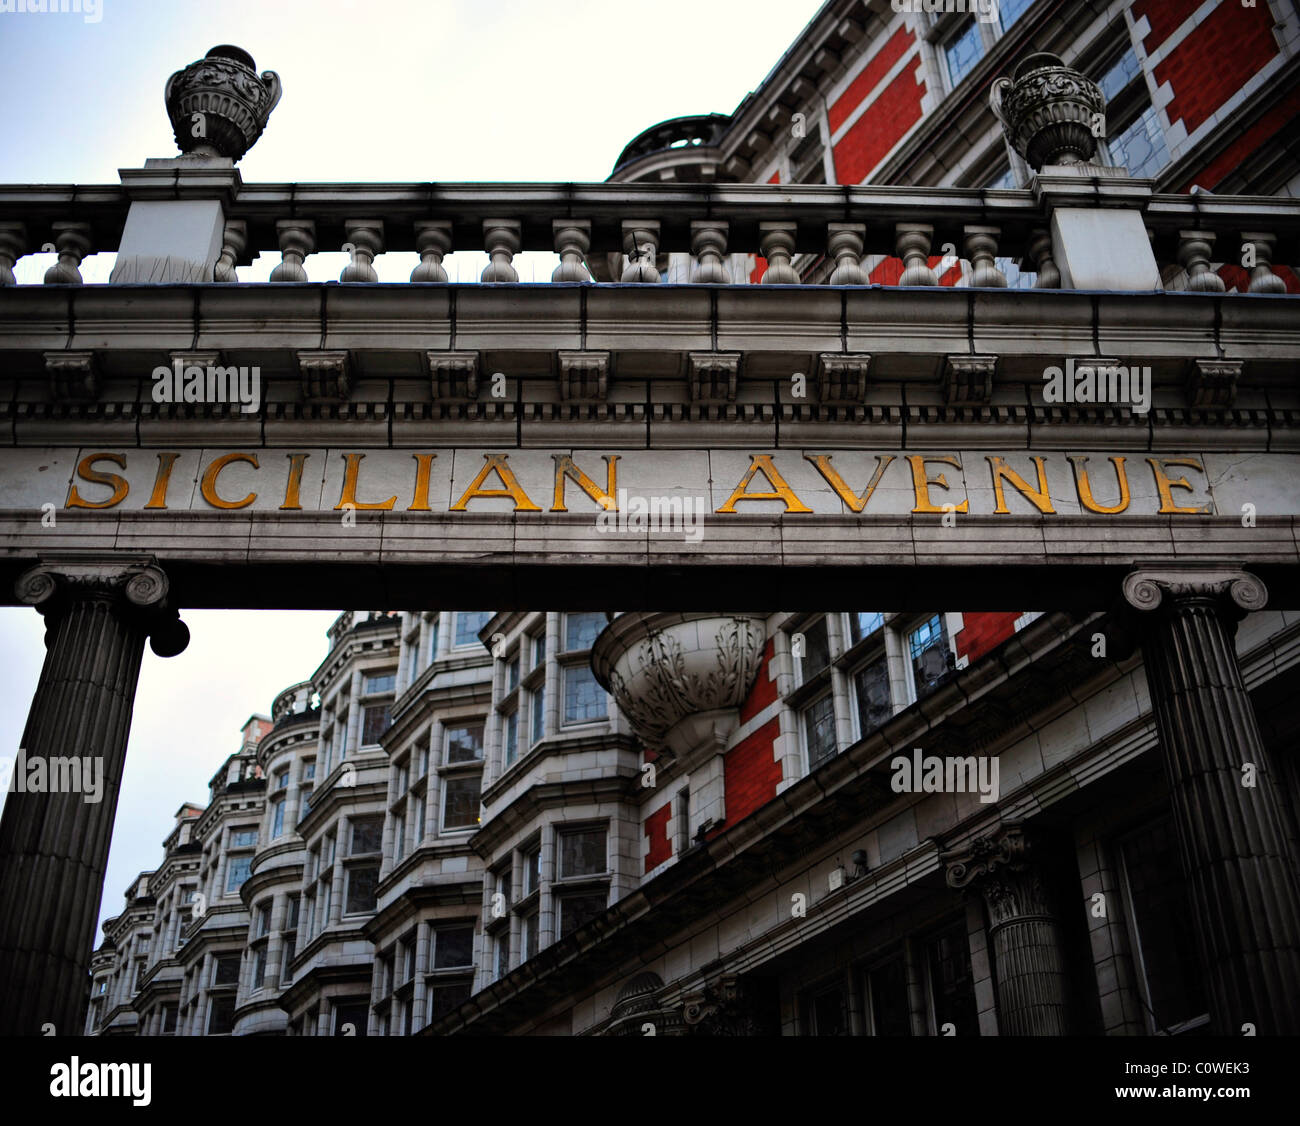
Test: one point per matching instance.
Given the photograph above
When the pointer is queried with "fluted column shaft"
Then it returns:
(1241, 871)
(54, 846)
(1025, 936)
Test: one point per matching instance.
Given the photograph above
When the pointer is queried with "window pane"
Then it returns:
(237, 872)
(584, 699)
(468, 625)
(531, 933)
(353, 1013)
(282, 779)
(889, 1009)
(581, 630)
(512, 737)
(243, 838)
(927, 646)
(578, 909)
(465, 744)
(582, 853)
(225, 970)
(872, 687)
(952, 987)
(375, 721)
(444, 998)
(221, 1016)
(864, 625)
(1119, 74)
(512, 675)
(277, 820)
(816, 651)
(452, 946)
(1011, 10)
(362, 880)
(819, 726)
(367, 836)
(380, 682)
(1163, 924)
(502, 959)
(532, 871)
(1140, 147)
(963, 51)
(461, 808)
(538, 706)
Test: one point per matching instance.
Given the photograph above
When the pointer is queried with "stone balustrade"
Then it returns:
(843, 236)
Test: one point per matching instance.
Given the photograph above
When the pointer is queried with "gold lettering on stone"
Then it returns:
(855, 501)
(1084, 487)
(208, 484)
(921, 483)
(1165, 484)
(158, 498)
(565, 467)
(420, 497)
(510, 490)
(349, 495)
(780, 488)
(1039, 497)
(87, 472)
(294, 483)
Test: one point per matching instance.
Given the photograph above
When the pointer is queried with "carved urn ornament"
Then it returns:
(1048, 111)
(679, 678)
(219, 106)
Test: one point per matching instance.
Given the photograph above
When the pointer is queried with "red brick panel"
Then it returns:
(1165, 17)
(656, 828)
(880, 128)
(750, 773)
(876, 69)
(982, 632)
(1216, 60)
(1214, 173)
(764, 691)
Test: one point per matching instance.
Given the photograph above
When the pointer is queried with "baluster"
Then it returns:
(13, 245)
(1040, 253)
(777, 243)
(1262, 278)
(72, 243)
(572, 241)
(367, 239)
(502, 239)
(709, 244)
(234, 238)
(433, 241)
(912, 242)
(641, 245)
(845, 243)
(981, 249)
(297, 239)
(1194, 250)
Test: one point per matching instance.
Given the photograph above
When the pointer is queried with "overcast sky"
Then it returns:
(381, 90)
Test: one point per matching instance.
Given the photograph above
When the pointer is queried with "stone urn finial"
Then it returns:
(1050, 111)
(680, 678)
(218, 105)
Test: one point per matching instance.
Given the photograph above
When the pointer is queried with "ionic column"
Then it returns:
(1241, 872)
(54, 846)
(1024, 935)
